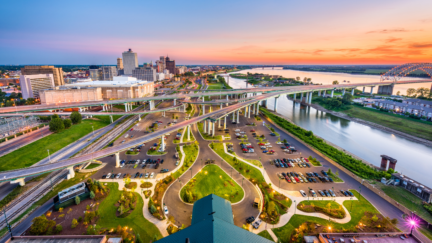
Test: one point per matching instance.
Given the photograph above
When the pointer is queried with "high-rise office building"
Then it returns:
(130, 61)
(32, 84)
(170, 65)
(119, 63)
(147, 73)
(95, 73)
(102, 73)
(162, 61)
(56, 72)
(159, 66)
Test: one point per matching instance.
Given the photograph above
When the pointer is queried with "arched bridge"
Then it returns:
(398, 72)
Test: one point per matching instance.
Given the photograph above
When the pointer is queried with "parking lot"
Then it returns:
(152, 165)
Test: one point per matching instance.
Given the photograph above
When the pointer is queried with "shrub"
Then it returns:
(67, 123)
(77, 200)
(58, 228)
(153, 209)
(56, 125)
(92, 195)
(76, 117)
(74, 223)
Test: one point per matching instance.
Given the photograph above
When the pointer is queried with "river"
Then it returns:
(365, 142)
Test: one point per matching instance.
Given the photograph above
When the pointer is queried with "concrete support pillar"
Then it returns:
(152, 106)
(219, 123)
(257, 109)
(253, 109)
(238, 116)
(117, 157)
(203, 99)
(294, 96)
(310, 97)
(301, 97)
(249, 108)
(203, 107)
(210, 109)
(372, 90)
(324, 93)
(364, 89)
(332, 93)
(213, 129)
(71, 173)
(209, 127)
(111, 119)
(227, 97)
(245, 112)
(233, 116)
(103, 107)
(188, 131)
(205, 126)
(139, 117)
(126, 107)
(20, 181)
(163, 142)
(307, 97)
(352, 91)
(174, 102)
(275, 104)
(319, 92)
(225, 122)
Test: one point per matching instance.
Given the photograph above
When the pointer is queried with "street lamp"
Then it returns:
(351, 204)
(93, 131)
(49, 157)
(295, 206)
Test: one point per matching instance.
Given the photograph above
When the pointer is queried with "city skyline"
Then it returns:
(240, 32)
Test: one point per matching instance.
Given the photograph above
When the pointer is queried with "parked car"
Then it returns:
(152, 175)
(165, 209)
(303, 193)
(250, 219)
(257, 224)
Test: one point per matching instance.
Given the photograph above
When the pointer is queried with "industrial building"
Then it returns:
(66, 94)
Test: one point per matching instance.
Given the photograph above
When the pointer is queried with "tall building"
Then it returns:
(147, 73)
(162, 61)
(159, 66)
(102, 73)
(130, 61)
(170, 65)
(31, 85)
(56, 72)
(119, 63)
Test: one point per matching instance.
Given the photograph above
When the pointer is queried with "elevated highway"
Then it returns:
(212, 117)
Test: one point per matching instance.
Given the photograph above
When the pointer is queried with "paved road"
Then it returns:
(7, 147)
(182, 212)
(289, 90)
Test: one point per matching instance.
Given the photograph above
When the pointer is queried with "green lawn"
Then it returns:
(122, 107)
(36, 151)
(215, 86)
(206, 136)
(212, 179)
(92, 166)
(336, 209)
(252, 161)
(266, 235)
(407, 199)
(191, 153)
(359, 207)
(135, 220)
(107, 119)
(404, 124)
(334, 177)
(426, 232)
(240, 166)
(185, 137)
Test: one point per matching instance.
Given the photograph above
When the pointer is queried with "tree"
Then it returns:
(55, 116)
(335, 82)
(67, 123)
(411, 91)
(423, 92)
(74, 223)
(271, 208)
(77, 200)
(398, 93)
(375, 218)
(76, 117)
(153, 209)
(92, 195)
(41, 225)
(56, 125)
(298, 78)
(347, 98)
(138, 239)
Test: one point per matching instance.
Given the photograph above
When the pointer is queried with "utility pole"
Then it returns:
(7, 223)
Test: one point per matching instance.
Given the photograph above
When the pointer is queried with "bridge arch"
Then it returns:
(398, 72)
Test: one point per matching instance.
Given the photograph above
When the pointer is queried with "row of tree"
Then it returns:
(419, 93)
(57, 124)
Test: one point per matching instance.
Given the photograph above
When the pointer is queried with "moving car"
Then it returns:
(165, 209)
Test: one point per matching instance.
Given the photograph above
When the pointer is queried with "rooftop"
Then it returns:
(370, 237)
(59, 239)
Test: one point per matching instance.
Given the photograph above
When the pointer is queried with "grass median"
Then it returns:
(36, 151)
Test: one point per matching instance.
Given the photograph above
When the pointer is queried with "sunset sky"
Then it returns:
(217, 32)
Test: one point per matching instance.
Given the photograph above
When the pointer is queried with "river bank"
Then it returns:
(374, 125)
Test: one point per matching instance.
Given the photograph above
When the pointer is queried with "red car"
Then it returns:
(297, 179)
(250, 146)
(131, 129)
(306, 160)
(261, 144)
(253, 130)
(287, 179)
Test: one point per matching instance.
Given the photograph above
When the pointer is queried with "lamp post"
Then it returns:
(351, 204)
(295, 206)
(49, 157)
(93, 131)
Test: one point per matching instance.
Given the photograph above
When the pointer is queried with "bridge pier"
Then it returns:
(294, 96)
(219, 123)
(310, 97)
(126, 107)
(220, 105)
(332, 93)
(319, 92)
(324, 93)
(245, 113)
(275, 104)
(139, 118)
(174, 102)
(257, 108)
(205, 126)
(117, 159)
(225, 122)
(238, 116)
(386, 90)
(111, 119)
(343, 92)
(163, 142)
(371, 90)
(233, 116)
(209, 127)
(352, 91)
(364, 89)
(203, 108)
(71, 173)
(307, 97)
(188, 131)
(213, 130)
(249, 108)
(20, 181)
(301, 97)
(253, 109)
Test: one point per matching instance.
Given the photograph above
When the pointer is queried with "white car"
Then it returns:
(279, 142)
(108, 175)
(251, 151)
(248, 144)
(267, 144)
(165, 209)
(237, 130)
(152, 175)
(257, 224)
(146, 175)
(118, 175)
(303, 193)
(237, 134)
